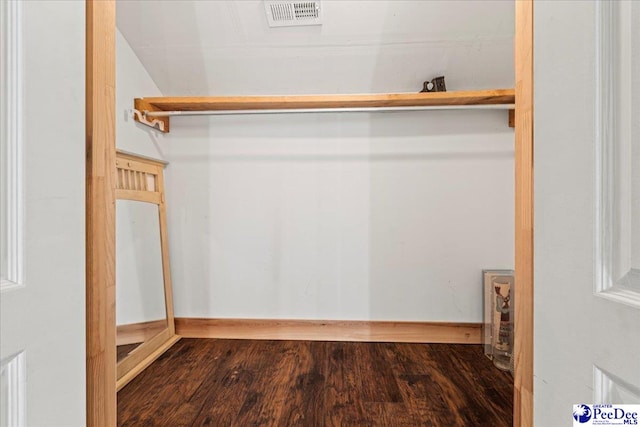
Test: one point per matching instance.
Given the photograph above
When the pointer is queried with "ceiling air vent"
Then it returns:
(293, 13)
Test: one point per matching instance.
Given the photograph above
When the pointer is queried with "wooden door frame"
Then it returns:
(523, 335)
(100, 214)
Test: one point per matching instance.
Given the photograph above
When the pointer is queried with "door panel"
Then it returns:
(42, 296)
(618, 152)
(587, 316)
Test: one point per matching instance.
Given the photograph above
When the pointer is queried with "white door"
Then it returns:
(587, 206)
(42, 292)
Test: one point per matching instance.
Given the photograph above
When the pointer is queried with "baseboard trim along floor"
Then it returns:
(330, 330)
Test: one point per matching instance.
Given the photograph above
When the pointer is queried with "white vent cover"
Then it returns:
(293, 13)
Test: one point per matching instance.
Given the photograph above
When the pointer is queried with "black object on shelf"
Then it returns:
(435, 85)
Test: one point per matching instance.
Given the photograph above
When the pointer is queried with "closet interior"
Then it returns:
(300, 230)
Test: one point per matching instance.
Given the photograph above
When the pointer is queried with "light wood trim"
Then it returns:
(100, 213)
(293, 102)
(124, 155)
(222, 103)
(154, 197)
(330, 330)
(164, 245)
(125, 379)
(139, 332)
(142, 352)
(141, 165)
(141, 104)
(523, 343)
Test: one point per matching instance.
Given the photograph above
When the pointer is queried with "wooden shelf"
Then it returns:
(176, 105)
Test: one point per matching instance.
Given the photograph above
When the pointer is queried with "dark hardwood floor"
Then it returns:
(205, 382)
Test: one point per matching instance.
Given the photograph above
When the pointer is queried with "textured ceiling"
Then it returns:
(226, 47)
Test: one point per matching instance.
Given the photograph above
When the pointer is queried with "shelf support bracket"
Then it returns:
(141, 107)
(141, 117)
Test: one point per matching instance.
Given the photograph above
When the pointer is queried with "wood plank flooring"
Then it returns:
(206, 382)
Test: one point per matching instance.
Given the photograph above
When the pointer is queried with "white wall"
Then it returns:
(334, 216)
(200, 48)
(139, 289)
(339, 216)
(133, 81)
(139, 278)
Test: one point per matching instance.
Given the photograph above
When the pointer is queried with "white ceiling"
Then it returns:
(226, 47)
